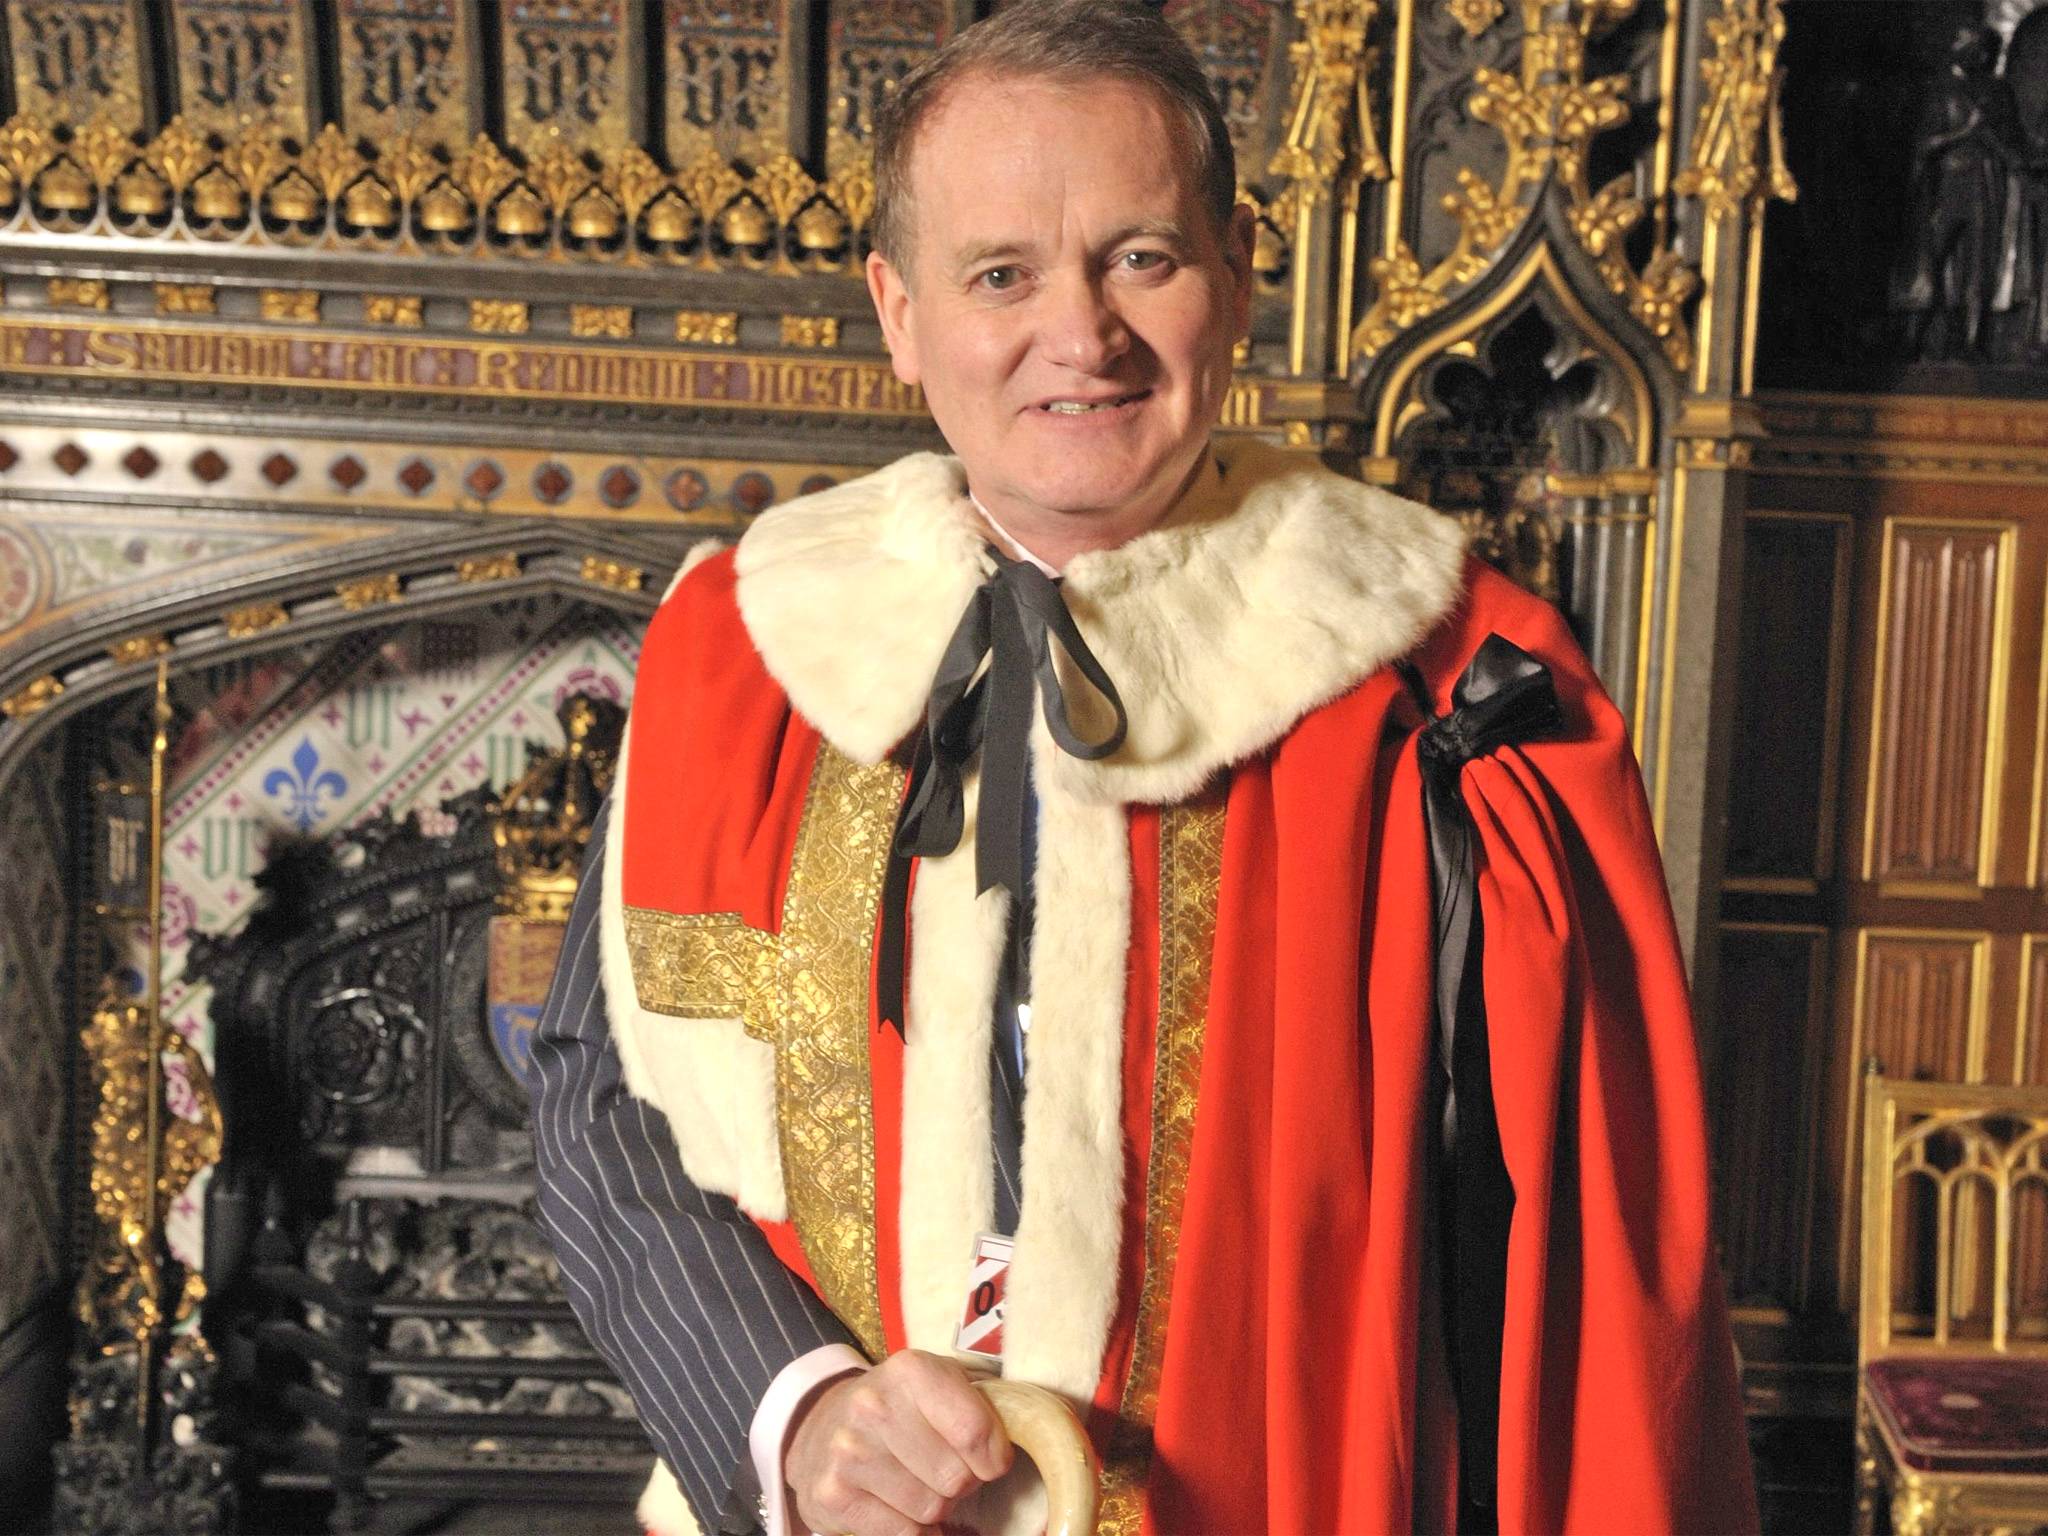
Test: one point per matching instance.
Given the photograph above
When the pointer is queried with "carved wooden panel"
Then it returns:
(1919, 1012)
(1789, 679)
(1920, 1003)
(569, 76)
(244, 64)
(2030, 1036)
(77, 59)
(1774, 1000)
(407, 67)
(727, 78)
(1942, 641)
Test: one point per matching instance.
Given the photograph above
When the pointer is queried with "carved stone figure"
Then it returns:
(1968, 150)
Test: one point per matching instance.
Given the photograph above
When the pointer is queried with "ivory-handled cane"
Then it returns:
(1043, 1427)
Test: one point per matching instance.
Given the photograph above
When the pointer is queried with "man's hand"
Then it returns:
(888, 1451)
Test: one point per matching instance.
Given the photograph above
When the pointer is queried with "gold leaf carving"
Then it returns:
(634, 179)
(488, 567)
(33, 699)
(614, 321)
(499, 317)
(332, 161)
(615, 574)
(299, 306)
(408, 165)
(241, 623)
(705, 328)
(559, 174)
(1330, 132)
(1475, 16)
(483, 171)
(810, 330)
(80, 293)
(177, 154)
(369, 591)
(185, 299)
(103, 147)
(400, 309)
(27, 147)
(138, 648)
(1738, 150)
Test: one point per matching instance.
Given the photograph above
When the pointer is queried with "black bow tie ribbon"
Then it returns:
(1504, 697)
(1011, 623)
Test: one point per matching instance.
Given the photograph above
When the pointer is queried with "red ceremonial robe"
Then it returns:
(1296, 1354)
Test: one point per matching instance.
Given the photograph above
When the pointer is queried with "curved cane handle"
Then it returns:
(1043, 1427)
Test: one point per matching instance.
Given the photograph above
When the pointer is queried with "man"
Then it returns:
(1329, 1215)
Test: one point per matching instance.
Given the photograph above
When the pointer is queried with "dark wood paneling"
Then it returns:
(1939, 639)
(1774, 990)
(1917, 997)
(1789, 681)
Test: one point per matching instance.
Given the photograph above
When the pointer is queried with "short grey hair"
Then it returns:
(1060, 40)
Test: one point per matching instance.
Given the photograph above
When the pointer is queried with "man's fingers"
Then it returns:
(855, 1512)
(961, 1418)
(928, 1457)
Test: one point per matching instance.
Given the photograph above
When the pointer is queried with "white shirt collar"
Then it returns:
(1009, 538)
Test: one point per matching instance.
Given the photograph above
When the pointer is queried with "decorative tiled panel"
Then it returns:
(726, 79)
(570, 76)
(75, 60)
(243, 64)
(872, 45)
(34, 939)
(312, 739)
(373, 475)
(1940, 701)
(407, 67)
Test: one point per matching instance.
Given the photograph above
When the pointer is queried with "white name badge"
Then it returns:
(981, 1321)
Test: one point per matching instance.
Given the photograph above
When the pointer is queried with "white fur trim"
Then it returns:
(714, 1082)
(1062, 1284)
(947, 1194)
(851, 594)
(1259, 598)
(663, 1510)
(1061, 1293)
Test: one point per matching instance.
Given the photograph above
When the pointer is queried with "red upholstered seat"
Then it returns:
(1947, 1413)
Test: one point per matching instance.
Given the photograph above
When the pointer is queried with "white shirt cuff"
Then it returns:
(768, 1438)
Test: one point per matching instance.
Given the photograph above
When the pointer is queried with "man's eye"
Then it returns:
(996, 279)
(1143, 261)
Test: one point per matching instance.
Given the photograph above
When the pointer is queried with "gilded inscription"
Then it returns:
(457, 365)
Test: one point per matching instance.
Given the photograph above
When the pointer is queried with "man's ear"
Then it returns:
(892, 307)
(1238, 241)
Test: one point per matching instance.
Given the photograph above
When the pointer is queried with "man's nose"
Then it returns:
(1082, 328)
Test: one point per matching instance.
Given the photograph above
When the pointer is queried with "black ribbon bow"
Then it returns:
(1505, 696)
(1012, 620)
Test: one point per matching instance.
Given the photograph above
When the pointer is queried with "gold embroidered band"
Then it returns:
(695, 966)
(806, 993)
(1190, 872)
(818, 1018)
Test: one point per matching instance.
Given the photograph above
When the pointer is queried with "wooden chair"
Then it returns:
(1952, 1335)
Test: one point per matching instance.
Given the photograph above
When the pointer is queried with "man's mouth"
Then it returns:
(1086, 407)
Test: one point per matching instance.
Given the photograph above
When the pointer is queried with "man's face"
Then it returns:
(1069, 305)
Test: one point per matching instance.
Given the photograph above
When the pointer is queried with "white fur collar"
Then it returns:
(1259, 598)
